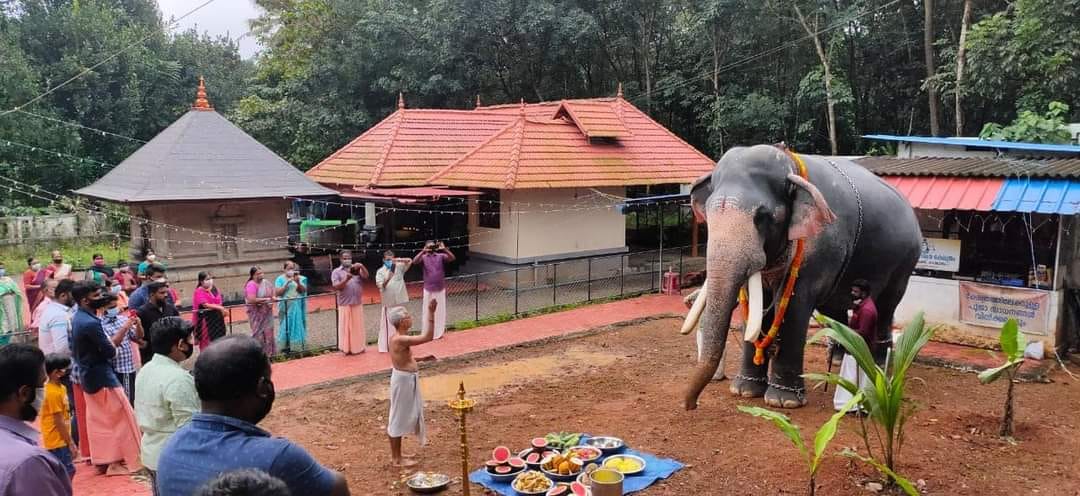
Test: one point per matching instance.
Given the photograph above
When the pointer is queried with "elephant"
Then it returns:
(756, 205)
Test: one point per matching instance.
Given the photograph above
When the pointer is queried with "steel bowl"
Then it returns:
(557, 477)
(594, 459)
(608, 445)
(631, 457)
(513, 485)
(534, 466)
(428, 483)
(507, 477)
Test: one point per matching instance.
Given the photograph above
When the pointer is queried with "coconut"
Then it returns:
(533, 458)
(516, 462)
(539, 443)
(503, 470)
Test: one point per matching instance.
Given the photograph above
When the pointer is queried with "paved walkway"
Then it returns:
(314, 370)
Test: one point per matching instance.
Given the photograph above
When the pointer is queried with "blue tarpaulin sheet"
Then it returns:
(656, 468)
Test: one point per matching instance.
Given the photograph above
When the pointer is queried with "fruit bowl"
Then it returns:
(607, 444)
(507, 477)
(535, 464)
(541, 483)
(502, 467)
(625, 464)
(552, 467)
(427, 482)
(587, 454)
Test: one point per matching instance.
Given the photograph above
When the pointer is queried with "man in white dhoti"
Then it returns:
(863, 320)
(434, 257)
(390, 279)
(406, 405)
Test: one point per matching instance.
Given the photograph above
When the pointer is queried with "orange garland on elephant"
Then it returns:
(763, 343)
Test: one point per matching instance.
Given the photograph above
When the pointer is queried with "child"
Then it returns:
(56, 415)
(406, 405)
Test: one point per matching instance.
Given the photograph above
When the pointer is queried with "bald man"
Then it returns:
(232, 377)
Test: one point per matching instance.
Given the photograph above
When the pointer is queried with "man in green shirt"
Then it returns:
(165, 396)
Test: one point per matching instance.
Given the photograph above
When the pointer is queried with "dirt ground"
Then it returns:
(627, 381)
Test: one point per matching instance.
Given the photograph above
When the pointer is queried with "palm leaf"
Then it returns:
(783, 422)
(827, 431)
(904, 484)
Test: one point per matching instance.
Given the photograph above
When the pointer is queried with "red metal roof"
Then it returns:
(573, 143)
(948, 193)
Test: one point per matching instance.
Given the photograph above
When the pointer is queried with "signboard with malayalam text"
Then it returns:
(939, 254)
(991, 306)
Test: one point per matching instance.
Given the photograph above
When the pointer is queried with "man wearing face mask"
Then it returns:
(863, 321)
(54, 336)
(167, 398)
(390, 279)
(130, 330)
(110, 421)
(232, 377)
(348, 281)
(154, 273)
(25, 467)
(157, 308)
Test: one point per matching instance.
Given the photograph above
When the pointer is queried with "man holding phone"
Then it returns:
(348, 281)
(433, 258)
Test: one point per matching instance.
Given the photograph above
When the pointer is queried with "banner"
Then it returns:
(940, 254)
(991, 306)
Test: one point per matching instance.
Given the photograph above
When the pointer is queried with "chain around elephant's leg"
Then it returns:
(752, 380)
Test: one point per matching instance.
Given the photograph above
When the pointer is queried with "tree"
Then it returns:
(1031, 127)
(961, 53)
(812, 28)
(928, 55)
(1013, 343)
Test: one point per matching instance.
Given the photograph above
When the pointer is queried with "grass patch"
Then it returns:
(77, 252)
(465, 325)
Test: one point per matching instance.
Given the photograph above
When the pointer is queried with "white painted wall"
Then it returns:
(535, 225)
(939, 299)
(918, 150)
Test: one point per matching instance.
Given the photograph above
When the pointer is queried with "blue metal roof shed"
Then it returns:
(977, 143)
(1044, 196)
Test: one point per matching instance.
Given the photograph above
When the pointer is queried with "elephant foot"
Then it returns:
(748, 387)
(781, 396)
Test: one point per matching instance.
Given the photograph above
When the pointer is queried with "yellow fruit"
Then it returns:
(564, 468)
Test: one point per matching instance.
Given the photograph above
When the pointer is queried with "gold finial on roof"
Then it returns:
(400, 100)
(201, 103)
(522, 106)
(478, 100)
(618, 92)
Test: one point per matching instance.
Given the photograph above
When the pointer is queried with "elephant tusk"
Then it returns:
(755, 304)
(695, 311)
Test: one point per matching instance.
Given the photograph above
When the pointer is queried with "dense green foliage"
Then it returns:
(719, 73)
(1032, 127)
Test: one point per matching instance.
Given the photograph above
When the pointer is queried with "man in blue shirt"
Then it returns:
(232, 377)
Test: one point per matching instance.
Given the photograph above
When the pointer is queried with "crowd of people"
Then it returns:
(106, 381)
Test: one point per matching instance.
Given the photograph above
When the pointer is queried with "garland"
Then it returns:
(762, 343)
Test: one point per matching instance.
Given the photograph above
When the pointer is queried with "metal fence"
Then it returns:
(473, 297)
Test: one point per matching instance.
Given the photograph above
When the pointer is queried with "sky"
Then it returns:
(218, 18)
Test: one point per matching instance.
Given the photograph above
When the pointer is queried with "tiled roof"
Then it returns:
(572, 143)
(202, 156)
(973, 167)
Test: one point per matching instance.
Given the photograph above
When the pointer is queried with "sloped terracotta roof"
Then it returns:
(572, 143)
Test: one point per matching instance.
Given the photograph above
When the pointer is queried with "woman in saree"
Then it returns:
(11, 307)
(259, 294)
(208, 314)
(291, 289)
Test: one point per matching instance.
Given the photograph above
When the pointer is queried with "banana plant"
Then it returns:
(1013, 343)
(884, 397)
(824, 434)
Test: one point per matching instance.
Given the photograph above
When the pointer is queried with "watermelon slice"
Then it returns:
(492, 463)
(578, 489)
(503, 470)
(539, 443)
(516, 462)
(533, 458)
(501, 454)
(559, 490)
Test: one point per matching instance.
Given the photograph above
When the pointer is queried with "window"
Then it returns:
(489, 208)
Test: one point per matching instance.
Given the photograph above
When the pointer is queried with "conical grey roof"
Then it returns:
(202, 156)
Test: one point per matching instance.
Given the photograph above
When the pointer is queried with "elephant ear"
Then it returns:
(810, 211)
(700, 191)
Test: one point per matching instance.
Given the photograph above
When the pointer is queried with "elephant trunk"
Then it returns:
(735, 255)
